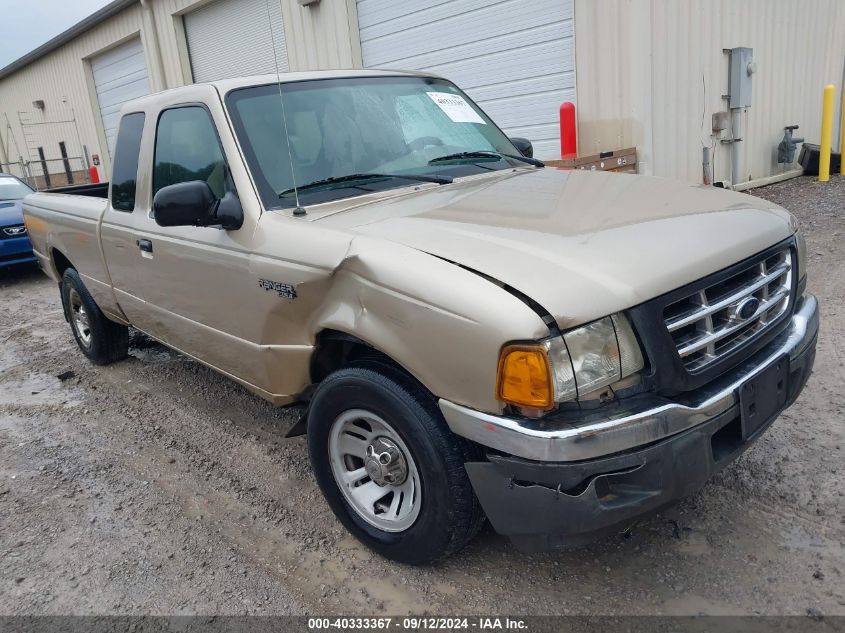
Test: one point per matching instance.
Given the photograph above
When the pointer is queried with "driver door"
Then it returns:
(196, 280)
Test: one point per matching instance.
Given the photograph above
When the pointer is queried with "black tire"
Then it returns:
(450, 514)
(107, 341)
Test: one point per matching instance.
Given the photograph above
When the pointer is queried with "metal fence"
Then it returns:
(50, 172)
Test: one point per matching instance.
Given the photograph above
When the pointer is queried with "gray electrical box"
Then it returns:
(721, 121)
(741, 69)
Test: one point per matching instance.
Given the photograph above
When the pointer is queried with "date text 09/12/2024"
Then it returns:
(417, 623)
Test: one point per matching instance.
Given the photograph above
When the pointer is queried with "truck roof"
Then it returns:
(225, 85)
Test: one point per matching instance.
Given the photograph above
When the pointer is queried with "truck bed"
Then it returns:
(93, 190)
(70, 224)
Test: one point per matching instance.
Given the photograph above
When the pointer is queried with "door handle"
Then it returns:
(146, 246)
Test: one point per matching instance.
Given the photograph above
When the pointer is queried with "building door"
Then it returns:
(515, 58)
(120, 75)
(234, 38)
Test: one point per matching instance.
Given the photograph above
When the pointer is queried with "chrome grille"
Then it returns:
(716, 320)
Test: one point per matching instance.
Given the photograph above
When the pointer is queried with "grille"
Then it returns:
(714, 321)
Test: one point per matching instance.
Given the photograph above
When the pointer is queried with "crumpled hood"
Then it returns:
(11, 212)
(581, 244)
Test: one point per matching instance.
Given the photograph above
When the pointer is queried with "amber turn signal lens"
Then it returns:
(525, 377)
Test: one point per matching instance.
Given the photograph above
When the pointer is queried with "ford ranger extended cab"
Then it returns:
(476, 337)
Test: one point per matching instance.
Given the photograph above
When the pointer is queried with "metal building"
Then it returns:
(643, 73)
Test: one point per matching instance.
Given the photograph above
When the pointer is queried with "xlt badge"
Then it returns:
(286, 291)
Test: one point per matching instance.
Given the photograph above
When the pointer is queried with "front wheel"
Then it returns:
(101, 340)
(388, 465)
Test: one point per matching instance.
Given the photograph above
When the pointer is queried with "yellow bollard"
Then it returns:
(827, 132)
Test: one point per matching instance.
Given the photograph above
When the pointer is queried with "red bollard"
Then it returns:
(95, 176)
(568, 142)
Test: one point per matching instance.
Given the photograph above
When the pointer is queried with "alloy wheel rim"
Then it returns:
(79, 319)
(374, 470)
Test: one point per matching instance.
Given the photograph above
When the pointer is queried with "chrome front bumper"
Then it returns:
(644, 422)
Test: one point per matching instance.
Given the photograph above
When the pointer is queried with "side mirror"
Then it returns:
(185, 204)
(230, 213)
(193, 203)
(524, 146)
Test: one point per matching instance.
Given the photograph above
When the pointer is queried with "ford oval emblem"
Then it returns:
(746, 309)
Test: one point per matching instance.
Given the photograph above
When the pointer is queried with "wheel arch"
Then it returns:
(60, 262)
(335, 349)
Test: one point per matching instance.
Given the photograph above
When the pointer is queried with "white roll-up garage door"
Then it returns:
(120, 75)
(515, 58)
(233, 38)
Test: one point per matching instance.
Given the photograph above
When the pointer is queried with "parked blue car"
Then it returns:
(15, 247)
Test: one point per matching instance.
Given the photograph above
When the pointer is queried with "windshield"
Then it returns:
(12, 189)
(391, 126)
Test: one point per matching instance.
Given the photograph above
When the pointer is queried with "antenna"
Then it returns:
(299, 210)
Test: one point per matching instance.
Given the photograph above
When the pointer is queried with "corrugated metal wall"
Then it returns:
(320, 36)
(62, 80)
(644, 66)
(650, 73)
(515, 58)
(230, 38)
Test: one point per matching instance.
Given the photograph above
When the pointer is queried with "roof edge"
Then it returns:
(65, 36)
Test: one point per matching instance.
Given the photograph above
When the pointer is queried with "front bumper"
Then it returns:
(565, 482)
(15, 250)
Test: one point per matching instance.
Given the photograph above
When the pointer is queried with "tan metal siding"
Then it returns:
(62, 75)
(642, 67)
(171, 37)
(321, 36)
(318, 37)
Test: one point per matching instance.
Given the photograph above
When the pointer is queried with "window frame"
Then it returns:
(137, 165)
(229, 182)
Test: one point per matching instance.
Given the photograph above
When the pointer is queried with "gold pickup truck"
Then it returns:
(475, 336)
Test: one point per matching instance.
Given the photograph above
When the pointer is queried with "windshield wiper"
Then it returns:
(486, 154)
(440, 180)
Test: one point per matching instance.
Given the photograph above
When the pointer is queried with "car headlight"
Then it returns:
(585, 359)
(801, 252)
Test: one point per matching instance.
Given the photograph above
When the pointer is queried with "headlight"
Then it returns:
(801, 252)
(583, 360)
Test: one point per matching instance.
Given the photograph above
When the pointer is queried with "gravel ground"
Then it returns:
(157, 486)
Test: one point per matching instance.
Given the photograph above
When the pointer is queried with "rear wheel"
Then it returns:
(388, 465)
(101, 340)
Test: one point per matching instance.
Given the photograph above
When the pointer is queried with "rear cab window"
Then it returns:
(125, 170)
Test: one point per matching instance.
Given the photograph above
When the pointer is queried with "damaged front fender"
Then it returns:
(445, 325)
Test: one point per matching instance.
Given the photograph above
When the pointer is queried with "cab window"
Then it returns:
(187, 148)
(125, 171)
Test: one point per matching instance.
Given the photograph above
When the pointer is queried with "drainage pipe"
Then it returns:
(736, 146)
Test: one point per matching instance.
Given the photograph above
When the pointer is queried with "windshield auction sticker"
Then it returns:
(455, 107)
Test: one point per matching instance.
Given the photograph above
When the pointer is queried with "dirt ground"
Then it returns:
(157, 486)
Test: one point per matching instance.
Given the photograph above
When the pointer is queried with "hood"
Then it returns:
(581, 244)
(11, 212)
